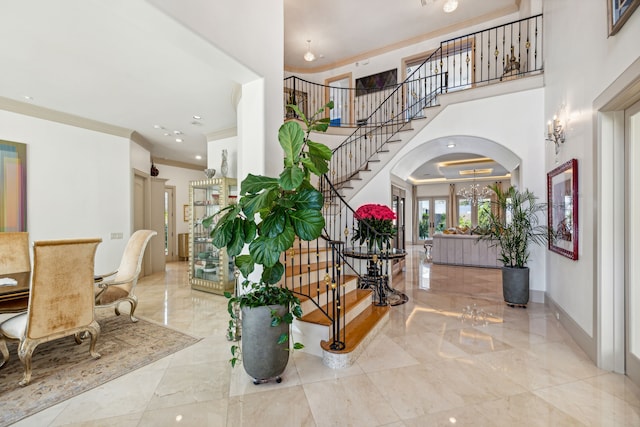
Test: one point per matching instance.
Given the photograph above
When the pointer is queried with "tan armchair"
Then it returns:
(61, 302)
(119, 286)
(15, 263)
(14, 253)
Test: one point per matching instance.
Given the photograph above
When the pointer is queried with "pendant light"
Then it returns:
(309, 56)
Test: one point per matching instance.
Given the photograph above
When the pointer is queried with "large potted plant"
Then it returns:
(513, 225)
(270, 214)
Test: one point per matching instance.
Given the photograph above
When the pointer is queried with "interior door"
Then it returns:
(170, 245)
(397, 205)
(632, 267)
(140, 212)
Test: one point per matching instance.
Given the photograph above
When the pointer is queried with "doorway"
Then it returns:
(632, 243)
(338, 89)
(141, 212)
(170, 245)
(398, 196)
(432, 217)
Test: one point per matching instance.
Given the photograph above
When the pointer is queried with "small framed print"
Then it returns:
(185, 213)
(618, 12)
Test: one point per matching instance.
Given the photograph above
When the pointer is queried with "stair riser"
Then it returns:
(304, 258)
(307, 306)
(353, 312)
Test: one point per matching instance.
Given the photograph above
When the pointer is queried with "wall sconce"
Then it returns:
(555, 132)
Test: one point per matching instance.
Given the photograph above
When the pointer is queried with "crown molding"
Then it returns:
(175, 163)
(141, 141)
(222, 134)
(60, 117)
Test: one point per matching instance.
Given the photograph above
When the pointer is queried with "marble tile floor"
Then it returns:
(499, 366)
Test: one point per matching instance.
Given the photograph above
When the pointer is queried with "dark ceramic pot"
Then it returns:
(515, 285)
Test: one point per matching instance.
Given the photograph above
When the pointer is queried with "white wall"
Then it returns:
(214, 155)
(512, 121)
(78, 183)
(252, 33)
(180, 178)
(574, 78)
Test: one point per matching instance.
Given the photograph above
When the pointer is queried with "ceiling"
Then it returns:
(127, 65)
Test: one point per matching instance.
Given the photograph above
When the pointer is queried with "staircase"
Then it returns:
(353, 319)
(337, 314)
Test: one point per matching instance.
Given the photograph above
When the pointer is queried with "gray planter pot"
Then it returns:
(515, 285)
(262, 357)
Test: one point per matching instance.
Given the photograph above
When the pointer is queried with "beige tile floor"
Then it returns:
(428, 367)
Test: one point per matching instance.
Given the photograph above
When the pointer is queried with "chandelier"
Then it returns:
(475, 192)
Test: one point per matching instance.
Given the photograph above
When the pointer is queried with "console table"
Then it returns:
(375, 279)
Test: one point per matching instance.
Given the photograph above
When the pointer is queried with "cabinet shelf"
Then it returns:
(210, 268)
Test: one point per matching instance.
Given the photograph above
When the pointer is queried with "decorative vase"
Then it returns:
(262, 357)
(224, 167)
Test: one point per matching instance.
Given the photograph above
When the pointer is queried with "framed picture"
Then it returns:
(562, 208)
(185, 213)
(13, 186)
(618, 13)
(376, 82)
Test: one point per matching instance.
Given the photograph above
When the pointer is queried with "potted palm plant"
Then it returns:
(513, 225)
(270, 214)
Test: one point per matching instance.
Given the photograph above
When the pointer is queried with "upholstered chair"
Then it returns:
(61, 301)
(15, 261)
(14, 252)
(119, 286)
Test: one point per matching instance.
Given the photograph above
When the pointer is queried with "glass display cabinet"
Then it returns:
(210, 269)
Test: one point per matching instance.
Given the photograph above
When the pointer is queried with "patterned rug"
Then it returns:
(62, 369)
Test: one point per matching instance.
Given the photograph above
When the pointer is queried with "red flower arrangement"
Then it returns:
(374, 211)
(375, 226)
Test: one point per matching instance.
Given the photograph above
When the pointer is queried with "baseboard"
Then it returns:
(584, 341)
(537, 296)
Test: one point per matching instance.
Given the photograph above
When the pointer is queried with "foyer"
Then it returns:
(502, 367)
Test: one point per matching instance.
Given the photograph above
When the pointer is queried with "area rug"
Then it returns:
(62, 369)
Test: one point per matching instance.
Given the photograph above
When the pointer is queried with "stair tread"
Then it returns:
(359, 328)
(351, 299)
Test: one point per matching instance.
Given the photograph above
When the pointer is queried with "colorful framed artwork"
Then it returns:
(619, 12)
(562, 209)
(13, 186)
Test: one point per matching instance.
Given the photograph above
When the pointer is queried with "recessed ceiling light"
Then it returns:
(167, 134)
(158, 127)
(177, 132)
(178, 139)
(451, 145)
(28, 98)
(197, 117)
(198, 157)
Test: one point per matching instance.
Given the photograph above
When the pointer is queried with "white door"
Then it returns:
(632, 270)
(432, 216)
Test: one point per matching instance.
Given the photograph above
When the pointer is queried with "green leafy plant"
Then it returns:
(514, 224)
(271, 212)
